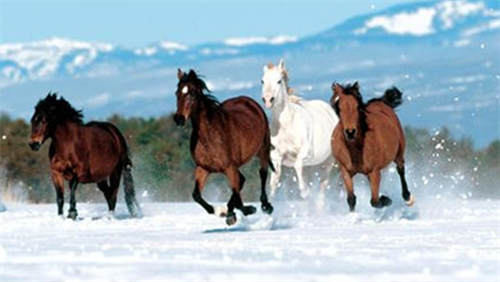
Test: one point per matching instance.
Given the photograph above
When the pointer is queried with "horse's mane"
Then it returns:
(58, 109)
(211, 102)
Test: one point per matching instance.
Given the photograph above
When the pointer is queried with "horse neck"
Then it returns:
(202, 120)
(282, 103)
(64, 132)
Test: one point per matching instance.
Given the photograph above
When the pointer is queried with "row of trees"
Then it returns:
(163, 169)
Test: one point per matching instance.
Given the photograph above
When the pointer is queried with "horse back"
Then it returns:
(385, 137)
(118, 138)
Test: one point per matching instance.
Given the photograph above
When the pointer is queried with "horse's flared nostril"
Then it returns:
(350, 133)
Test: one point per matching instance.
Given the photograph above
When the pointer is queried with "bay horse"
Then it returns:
(367, 139)
(299, 129)
(95, 152)
(224, 137)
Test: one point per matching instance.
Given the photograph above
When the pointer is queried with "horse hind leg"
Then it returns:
(246, 210)
(263, 172)
(407, 196)
(105, 189)
(325, 180)
(112, 191)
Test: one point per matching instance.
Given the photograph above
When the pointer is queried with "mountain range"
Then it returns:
(444, 56)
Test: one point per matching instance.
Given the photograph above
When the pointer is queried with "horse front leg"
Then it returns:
(72, 213)
(236, 181)
(349, 186)
(298, 166)
(58, 181)
(201, 176)
(376, 201)
(275, 175)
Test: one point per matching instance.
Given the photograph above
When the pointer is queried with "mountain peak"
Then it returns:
(244, 41)
(423, 19)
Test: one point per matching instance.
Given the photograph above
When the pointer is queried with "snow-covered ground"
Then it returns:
(437, 240)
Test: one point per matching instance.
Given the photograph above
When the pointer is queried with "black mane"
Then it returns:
(210, 102)
(353, 90)
(57, 109)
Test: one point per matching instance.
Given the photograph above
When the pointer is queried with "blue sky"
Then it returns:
(138, 23)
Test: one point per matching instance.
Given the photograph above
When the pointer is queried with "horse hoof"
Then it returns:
(385, 201)
(304, 193)
(72, 215)
(411, 201)
(267, 208)
(220, 211)
(231, 218)
(248, 210)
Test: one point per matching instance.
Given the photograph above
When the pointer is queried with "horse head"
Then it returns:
(275, 84)
(190, 94)
(50, 112)
(349, 106)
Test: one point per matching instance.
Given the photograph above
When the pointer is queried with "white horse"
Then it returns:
(300, 130)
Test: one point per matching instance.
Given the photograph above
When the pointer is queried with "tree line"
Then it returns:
(163, 168)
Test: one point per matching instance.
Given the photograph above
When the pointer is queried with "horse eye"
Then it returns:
(279, 81)
(262, 81)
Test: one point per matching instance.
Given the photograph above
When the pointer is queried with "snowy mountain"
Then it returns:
(444, 55)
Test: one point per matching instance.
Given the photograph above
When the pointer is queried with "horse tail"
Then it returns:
(128, 184)
(128, 181)
(392, 97)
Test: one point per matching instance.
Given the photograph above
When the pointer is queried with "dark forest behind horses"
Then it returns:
(95, 152)
(225, 136)
(367, 139)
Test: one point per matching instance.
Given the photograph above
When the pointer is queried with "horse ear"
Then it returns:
(356, 86)
(180, 74)
(192, 75)
(337, 88)
(281, 65)
(51, 96)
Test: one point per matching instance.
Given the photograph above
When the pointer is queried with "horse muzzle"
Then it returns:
(35, 146)
(179, 120)
(350, 134)
(268, 103)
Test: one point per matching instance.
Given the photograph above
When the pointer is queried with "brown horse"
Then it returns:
(367, 139)
(95, 152)
(225, 136)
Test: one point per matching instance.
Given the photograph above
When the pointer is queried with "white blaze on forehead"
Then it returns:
(185, 90)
